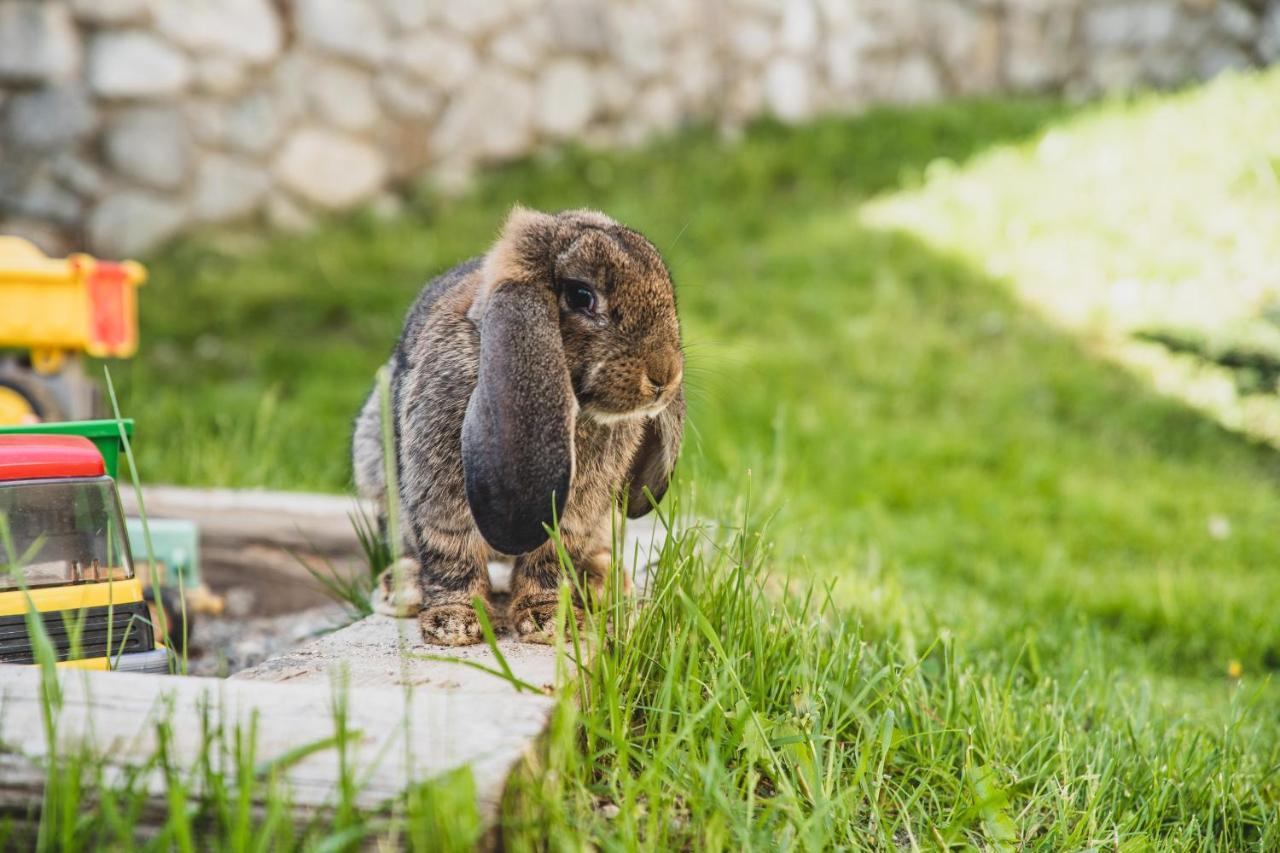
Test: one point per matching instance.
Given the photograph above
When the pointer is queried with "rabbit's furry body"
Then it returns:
(508, 396)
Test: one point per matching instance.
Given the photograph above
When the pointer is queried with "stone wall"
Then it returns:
(125, 122)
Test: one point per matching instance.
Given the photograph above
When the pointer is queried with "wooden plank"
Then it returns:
(416, 717)
(233, 518)
(399, 737)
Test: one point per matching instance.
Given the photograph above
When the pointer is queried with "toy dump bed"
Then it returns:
(77, 304)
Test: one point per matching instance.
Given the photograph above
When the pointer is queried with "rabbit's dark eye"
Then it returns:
(579, 297)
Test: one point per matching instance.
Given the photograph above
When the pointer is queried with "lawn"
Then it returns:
(1039, 550)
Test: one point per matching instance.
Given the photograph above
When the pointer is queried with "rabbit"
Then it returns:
(540, 382)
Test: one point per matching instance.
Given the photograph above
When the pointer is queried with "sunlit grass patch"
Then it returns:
(1140, 220)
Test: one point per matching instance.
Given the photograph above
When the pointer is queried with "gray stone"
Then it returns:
(915, 80)
(443, 62)
(1235, 20)
(245, 29)
(657, 110)
(111, 12)
(135, 64)
(800, 27)
(253, 124)
(1219, 56)
(614, 90)
(1269, 34)
(129, 222)
(788, 89)
(406, 145)
(53, 241)
(38, 42)
(343, 97)
(50, 118)
(638, 44)
(227, 189)
(475, 19)
(577, 26)
(329, 169)
(79, 174)
(405, 98)
(348, 28)
(220, 75)
(490, 118)
(521, 48)
(752, 39)
(698, 80)
(46, 200)
(565, 98)
(407, 14)
(1135, 23)
(285, 214)
(150, 145)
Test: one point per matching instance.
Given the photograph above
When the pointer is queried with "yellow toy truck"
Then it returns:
(53, 311)
(70, 559)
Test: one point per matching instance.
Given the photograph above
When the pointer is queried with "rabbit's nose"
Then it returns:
(662, 379)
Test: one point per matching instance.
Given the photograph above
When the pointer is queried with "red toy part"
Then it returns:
(44, 457)
(110, 321)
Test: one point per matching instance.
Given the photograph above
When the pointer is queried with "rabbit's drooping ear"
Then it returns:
(517, 436)
(656, 457)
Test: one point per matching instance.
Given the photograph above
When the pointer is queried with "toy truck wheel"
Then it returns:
(24, 399)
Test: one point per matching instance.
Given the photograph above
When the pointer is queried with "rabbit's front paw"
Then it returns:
(399, 590)
(534, 617)
(450, 625)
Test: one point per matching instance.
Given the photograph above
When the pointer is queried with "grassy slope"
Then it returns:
(959, 464)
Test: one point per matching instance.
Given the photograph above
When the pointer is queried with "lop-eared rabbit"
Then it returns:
(540, 382)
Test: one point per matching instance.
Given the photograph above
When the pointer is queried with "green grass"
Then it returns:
(1039, 542)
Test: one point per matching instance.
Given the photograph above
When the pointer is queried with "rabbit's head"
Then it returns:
(577, 317)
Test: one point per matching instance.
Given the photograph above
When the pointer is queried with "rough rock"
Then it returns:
(492, 118)
(522, 48)
(405, 98)
(113, 12)
(800, 27)
(1269, 35)
(788, 89)
(150, 145)
(45, 199)
(50, 118)
(135, 64)
(220, 75)
(285, 214)
(130, 223)
(1134, 23)
(565, 97)
(637, 40)
(253, 124)
(38, 42)
(348, 28)
(79, 174)
(406, 14)
(442, 62)
(474, 19)
(343, 97)
(751, 39)
(329, 169)
(227, 188)
(246, 29)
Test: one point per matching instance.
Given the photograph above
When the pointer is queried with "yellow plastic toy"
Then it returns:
(53, 310)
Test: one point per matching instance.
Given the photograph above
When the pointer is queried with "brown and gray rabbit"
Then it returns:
(540, 381)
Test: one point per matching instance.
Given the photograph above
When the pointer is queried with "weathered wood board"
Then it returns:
(442, 713)
(398, 736)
